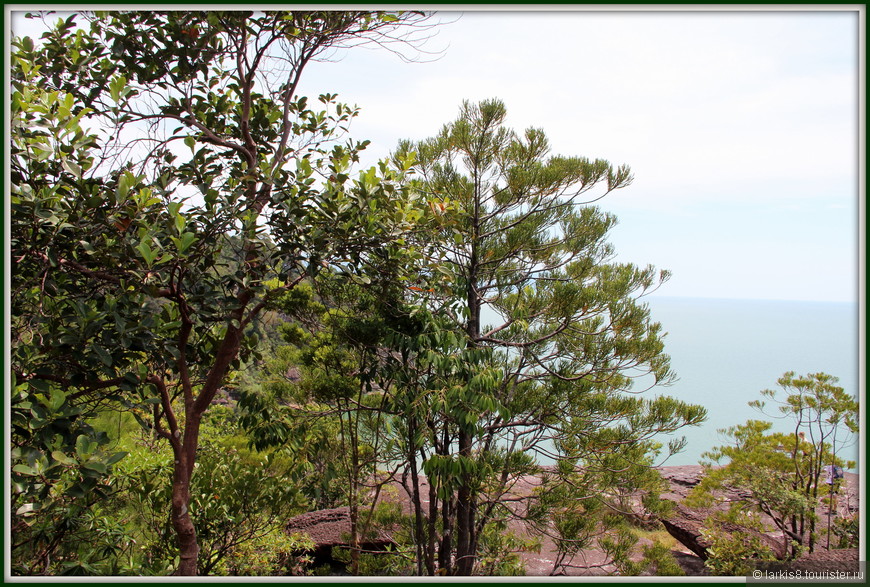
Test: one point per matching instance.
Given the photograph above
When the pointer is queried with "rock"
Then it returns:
(330, 528)
(692, 565)
(844, 560)
(685, 524)
(682, 479)
(685, 476)
(835, 555)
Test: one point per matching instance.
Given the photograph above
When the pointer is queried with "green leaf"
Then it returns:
(183, 243)
(84, 446)
(179, 221)
(125, 182)
(104, 355)
(72, 168)
(24, 470)
(26, 510)
(147, 253)
(39, 384)
(97, 466)
(62, 458)
(77, 491)
(116, 457)
(58, 397)
(116, 87)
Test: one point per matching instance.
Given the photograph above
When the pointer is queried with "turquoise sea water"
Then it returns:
(726, 351)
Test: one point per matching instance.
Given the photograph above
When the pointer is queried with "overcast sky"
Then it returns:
(740, 128)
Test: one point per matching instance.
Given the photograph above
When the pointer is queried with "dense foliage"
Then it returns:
(785, 476)
(539, 339)
(140, 265)
(218, 324)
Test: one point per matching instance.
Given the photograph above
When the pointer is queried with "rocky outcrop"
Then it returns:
(836, 555)
(820, 562)
(331, 528)
(682, 479)
(685, 524)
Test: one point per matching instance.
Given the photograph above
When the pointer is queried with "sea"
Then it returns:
(725, 351)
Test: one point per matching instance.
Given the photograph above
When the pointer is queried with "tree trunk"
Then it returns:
(796, 531)
(423, 553)
(353, 483)
(814, 492)
(354, 538)
(464, 515)
(188, 546)
(465, 498)
(431, 531)
(419, 534)
(184, 452)
(446, 546)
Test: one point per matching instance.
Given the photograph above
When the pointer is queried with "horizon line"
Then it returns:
(746, 299)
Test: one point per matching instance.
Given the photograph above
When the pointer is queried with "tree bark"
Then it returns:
(423, 554)
(188, 546)
(445, 548)
(464, 515)
(432, 537)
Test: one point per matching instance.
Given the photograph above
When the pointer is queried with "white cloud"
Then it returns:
(685, 99)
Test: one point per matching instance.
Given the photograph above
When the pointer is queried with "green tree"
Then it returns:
(517, 244)
(339, 335)
(140, 265)
(60, 463)
(61, 467)
(783, 473)
(340, 375)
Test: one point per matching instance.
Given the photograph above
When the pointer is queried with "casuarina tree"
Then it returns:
(552, 333)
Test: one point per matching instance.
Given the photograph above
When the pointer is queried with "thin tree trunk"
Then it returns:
(353, 483)
(188, 546)
(814, 492)
(445, 548)
(184, 445)
(796, 530)
(184, 453)
(432, 535)
(419, 531)
(464, 515)
(465, 506)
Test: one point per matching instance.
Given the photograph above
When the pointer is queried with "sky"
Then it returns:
(740, 128)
